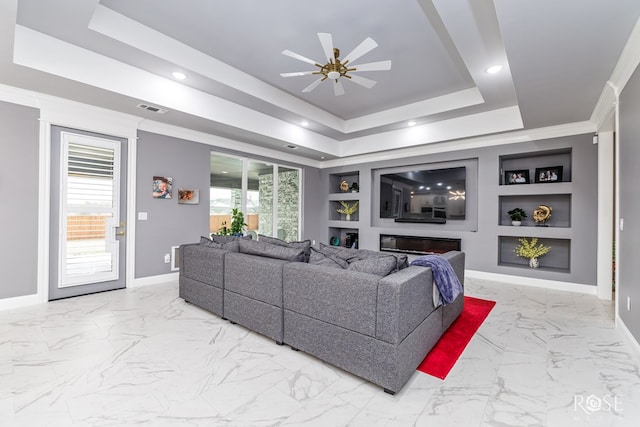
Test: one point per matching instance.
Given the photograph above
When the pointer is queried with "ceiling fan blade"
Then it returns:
(327, 46)
(312, 86)
(294, 55)
(372, 66)
(367, 45)
(363, 82)
(298, 73)
(338, 89)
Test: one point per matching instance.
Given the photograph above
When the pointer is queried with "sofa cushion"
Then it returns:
(380, 266)
(318, 258)
(305, 244)
(269, 250)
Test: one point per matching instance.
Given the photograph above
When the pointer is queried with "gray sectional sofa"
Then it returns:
(363, 311)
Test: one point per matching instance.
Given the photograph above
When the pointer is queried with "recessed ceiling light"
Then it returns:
(322, 157)
(494, 69)
(411, 123)
(304, 123)
(178, 75)
(225, 172)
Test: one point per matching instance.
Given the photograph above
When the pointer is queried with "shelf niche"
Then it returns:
(345, 235)
(334, 215)
(336, 178)
(560, 203)
(540, 159)
(557, 260)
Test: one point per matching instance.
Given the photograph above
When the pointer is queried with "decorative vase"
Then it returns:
(534, 263)
(516, 223)
(348, 217)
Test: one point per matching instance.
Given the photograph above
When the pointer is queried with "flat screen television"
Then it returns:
(424, 195)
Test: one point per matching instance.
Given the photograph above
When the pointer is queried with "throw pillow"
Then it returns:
(352, 255)
(254, 247)
(318, 258)
(230, 246)
(305, 244)
(218, 238)
(380, 266)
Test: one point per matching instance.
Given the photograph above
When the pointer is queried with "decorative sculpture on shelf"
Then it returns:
(542, 214)
(344, 186)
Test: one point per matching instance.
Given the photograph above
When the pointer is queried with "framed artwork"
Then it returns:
(162, 187)
(188, 196)
(520, 176)
(549, 174)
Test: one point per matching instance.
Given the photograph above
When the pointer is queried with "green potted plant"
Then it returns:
(516, 215)
(531, 250)
(237, 224)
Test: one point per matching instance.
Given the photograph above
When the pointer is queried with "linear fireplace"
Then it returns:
(418, 245)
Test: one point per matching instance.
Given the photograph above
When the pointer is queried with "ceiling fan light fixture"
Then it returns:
(335, 67)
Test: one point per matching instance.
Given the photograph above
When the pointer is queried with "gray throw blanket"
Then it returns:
(443, 275)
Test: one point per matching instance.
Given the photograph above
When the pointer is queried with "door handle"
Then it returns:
(120, 232)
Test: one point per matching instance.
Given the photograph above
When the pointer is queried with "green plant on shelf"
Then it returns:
(531, 249)
(516, 214)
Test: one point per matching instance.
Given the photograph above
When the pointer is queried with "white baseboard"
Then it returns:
(529, 281)
(627, 333)
(18, 302)
(154, 280)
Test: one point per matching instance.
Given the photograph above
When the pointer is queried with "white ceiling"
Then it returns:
(557, 58)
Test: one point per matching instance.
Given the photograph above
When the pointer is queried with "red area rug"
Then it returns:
(445, 353)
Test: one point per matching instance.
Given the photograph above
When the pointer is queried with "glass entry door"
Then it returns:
(88, 228)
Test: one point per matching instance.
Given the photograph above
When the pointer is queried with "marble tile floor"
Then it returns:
(143, 356)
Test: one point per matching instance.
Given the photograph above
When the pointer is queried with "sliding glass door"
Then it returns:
(267, 194)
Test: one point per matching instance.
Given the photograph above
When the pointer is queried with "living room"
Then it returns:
(594, 147)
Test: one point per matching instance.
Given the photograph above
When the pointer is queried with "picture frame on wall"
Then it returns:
(548, 174)
(518, 176)
(162, 187)
(188, 196)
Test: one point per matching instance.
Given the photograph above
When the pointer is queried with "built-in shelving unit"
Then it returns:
(557, 194)
(345, 229)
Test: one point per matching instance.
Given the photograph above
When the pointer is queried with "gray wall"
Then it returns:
(169, 223)
(628, 251)
(19, 207)
(481, 242)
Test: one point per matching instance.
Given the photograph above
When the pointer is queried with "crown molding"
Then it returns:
(228, 144)
(469, 143)
(19, 96)
(624, 69)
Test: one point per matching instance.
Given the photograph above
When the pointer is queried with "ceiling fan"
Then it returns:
(336, 68)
